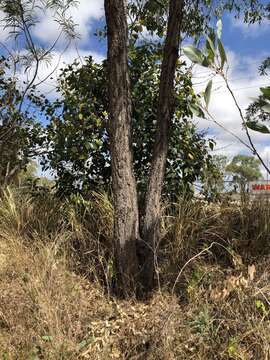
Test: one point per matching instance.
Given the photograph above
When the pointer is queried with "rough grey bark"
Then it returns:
(126, 217)
(151, 226)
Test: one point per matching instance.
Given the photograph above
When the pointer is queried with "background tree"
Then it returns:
(29, 174)
(244, 169)
(213, 178)
(29, 179)
(19, 130)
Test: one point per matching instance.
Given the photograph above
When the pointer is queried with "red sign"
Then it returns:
(261, 187)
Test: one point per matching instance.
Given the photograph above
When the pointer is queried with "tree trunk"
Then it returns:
(126, 217)
(151, 227)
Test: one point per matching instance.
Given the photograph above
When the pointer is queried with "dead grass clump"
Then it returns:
(48, 312)
(91, 226)
(44, 309)
(229, 311)
(191, 225)
(28, 216)
(135, 331)
(84, 228)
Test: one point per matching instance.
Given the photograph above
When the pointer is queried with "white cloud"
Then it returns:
(83, 15)
(46, 32)
(250, 30)
(47, 29)
(4, 32)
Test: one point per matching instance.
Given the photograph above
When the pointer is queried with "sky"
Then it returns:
(246, 47)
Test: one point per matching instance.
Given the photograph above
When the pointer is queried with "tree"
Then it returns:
(126, 212)
(28, 178)
(213, 179)
(28, 175)
(244, 169)
(19, 129)
(165, 110)
(124, 186)
(78, 125)
(126, 218)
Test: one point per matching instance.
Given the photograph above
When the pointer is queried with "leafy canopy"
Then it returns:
(77, 138)
(244, 168)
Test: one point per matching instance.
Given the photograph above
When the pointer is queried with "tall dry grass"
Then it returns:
(57, 272)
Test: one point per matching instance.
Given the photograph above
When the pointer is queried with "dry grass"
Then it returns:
(44, 308)
(56, 271)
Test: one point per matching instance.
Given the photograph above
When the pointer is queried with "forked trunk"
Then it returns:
(126, 217)
(151, 228)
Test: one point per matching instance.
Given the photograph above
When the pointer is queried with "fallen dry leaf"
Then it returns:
(251, 272)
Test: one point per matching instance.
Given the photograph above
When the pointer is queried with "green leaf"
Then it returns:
(210, 45)
(212, 36)
(47, 338)
(266, 108)
(222, 53)
(266, 92)
(206, 62)
(194, 54)
(260, 306)
(207, 93)
(232, 347)
(254, 125)
(82, 344)
(196, 110)
(219, 28)
(210, 49)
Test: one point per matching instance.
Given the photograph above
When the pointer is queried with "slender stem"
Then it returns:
(227, 130)
(32, 48)
(252, 146)
(55, 68)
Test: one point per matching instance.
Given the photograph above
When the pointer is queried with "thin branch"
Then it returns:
(252, 146)
(55, 68)
(32, 48)
(211, 118)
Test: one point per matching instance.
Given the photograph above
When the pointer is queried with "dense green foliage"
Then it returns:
(78, 139)
(258, 113)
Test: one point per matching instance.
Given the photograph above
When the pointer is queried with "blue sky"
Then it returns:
(246, 47)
